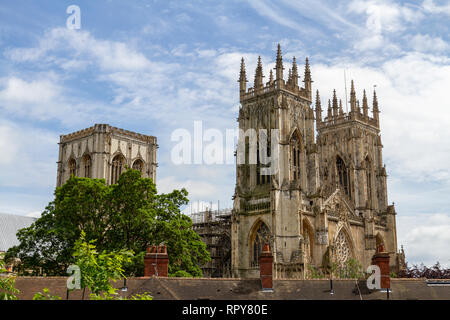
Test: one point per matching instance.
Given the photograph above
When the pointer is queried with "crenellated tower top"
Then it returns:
(291, 85)
(336, 115)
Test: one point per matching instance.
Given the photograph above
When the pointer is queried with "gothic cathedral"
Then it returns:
(327, 202)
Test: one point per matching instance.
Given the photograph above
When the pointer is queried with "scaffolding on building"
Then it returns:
(214, 227)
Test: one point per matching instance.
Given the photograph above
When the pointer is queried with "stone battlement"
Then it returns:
(106, 128)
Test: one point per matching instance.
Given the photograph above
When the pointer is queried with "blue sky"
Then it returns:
(155, 66)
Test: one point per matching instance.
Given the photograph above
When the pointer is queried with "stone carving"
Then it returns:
(322, 236)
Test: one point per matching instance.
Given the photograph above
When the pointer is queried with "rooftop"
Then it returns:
(106, 128)
(9, 225)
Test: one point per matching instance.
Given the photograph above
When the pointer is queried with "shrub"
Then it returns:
(45, 296)
(8, 290)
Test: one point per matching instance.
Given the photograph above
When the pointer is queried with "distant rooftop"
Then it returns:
(105, 128)
(9, 225)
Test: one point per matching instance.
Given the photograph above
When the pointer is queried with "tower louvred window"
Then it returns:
(368, 181)
(343, 175)
(72, 167)
(295, 157)
(138, 165)
(87, 166)
(117, 168)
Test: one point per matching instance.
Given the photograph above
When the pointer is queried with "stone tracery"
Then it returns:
(342, 249)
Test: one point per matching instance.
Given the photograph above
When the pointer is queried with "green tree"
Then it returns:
(129, 215)
(8, 290)
(99, 269)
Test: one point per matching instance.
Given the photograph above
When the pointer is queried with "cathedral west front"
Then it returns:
(327, 202)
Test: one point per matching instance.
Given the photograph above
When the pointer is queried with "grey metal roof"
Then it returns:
(9, 225)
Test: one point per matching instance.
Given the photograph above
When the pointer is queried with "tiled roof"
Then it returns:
(9, 225)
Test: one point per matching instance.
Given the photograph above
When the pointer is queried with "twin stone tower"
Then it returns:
(327, 201)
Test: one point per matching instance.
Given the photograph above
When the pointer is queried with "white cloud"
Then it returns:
(198, 189)
(34, 214)
(108, 55)
(425, 238)
(42, 97)
(384, 18)
(275, 13)
(427, 43)
(329, 16)
(29, 155)
(415, 121)
(20, 91)
(9, 150)
(431, 7)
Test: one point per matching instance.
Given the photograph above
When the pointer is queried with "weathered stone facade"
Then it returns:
(103, 152)
(328, 200)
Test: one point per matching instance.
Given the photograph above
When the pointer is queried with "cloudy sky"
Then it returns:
(156, 66)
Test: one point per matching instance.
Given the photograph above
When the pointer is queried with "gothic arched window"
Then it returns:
(117, 167)
(261, 176)
(343, 175)
(261, 236)
(72, 167)
(87, 166)
(138, 165)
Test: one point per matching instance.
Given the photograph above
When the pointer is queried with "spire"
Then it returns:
(270, 77)
(242, 78)
(294, 73)
(352, 98)
(289, 80)
(375, 109)
(259, 75)
(341, 110)
(307, 78)
(335, 104)
(279, 68)
(365, 105)
(318, 108)
(375, 100)
(329, 116)
(307, 70)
